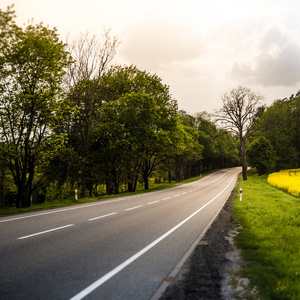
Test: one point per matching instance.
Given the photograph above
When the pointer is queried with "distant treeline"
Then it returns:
(71, 120)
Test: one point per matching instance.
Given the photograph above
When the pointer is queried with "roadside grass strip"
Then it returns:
(286, 180)
(269, 236)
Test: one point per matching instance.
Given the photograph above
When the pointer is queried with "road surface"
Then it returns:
(123, 248)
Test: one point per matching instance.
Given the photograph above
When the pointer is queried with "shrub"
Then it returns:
(52, 192)
(261, 155)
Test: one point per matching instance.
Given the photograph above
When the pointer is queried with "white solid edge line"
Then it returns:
(42, 232)
(87, 205)
(100, 217)
(61, 210)
(119, 268)
(158, 294)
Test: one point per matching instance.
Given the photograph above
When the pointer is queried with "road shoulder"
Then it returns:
(212, 271)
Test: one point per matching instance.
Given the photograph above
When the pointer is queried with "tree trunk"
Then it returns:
(109, 189)
(132, 183)
(90, 190)
(18, 199)
(145, 173)
(243, 157)
(30, 183)
(135, 183)
(170, 175)
(21, 195)
(130, 186)
(83, 178)
(116, 183)
(2, 174)
(146, 182)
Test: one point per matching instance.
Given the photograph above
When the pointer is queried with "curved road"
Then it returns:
(123, 248)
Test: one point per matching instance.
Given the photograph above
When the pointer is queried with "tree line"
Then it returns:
(70, 119)
(274, 138)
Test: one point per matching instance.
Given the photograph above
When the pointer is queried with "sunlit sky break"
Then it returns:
(199, 48)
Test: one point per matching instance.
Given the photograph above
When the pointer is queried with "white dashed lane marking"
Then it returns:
(153, 202)
(135, 207)
(100, 217)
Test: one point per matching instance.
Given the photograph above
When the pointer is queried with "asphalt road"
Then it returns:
(123, 248)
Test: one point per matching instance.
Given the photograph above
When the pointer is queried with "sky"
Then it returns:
(201, 49)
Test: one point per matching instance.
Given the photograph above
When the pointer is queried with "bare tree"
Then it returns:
(236, 115)
(91, 57)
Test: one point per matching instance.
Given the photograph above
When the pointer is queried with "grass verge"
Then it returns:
(71, 201)
(269, 237)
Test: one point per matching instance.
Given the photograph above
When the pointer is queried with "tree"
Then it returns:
(150, 109)
(187, 152)
(280, 124)
(261, 155)
(91, 60)
(207, 132)
(236, 115)
(92, 57)
(32, 65)
(136, 133)
(127, 130)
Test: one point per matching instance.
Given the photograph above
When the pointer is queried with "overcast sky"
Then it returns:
(200, 48)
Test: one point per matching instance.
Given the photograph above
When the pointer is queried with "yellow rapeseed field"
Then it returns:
(287, 180)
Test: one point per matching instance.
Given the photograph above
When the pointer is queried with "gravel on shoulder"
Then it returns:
(211, 272)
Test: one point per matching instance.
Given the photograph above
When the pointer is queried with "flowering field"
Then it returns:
(287, 180)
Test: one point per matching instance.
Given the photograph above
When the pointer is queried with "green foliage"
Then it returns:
(280, 124)
(52, 192)
(114, 127)
(220, 147)
(187, 152)
(260, 154)
(8, 191)
(139, 124)
(268, 237)
(32, 62)
(55, 192)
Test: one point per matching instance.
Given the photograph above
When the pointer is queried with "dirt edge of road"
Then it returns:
(212, 271)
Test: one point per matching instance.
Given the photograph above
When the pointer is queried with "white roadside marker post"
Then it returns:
(241, 194)
(76, 197)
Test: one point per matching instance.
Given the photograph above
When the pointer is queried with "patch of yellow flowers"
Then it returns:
(287, 180)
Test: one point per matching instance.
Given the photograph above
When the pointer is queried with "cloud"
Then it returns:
(161, 44)
(277, 64)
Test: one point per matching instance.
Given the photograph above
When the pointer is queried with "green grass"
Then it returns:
(269, 237)
(71, 201)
